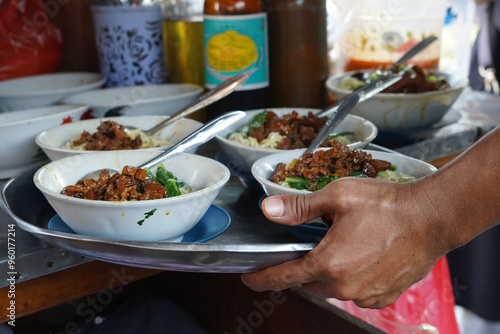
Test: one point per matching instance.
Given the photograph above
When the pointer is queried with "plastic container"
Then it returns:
(457, 38)
(382, 31)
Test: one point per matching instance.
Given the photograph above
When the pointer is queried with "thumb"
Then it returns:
(295, 209)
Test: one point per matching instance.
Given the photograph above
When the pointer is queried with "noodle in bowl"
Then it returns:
(146, 141)
(264, 169)
(54, 141)
(400, 111)
(243, 151)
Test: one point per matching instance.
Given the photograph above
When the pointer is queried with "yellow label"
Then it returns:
(231, 52)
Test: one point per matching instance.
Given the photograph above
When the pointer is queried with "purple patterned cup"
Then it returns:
(129, 44)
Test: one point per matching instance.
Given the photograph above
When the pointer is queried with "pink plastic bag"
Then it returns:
(426, 307)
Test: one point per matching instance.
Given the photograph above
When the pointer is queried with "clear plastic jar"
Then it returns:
(382, 31)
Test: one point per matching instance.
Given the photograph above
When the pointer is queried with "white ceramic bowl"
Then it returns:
(119, 220)
(163, 99)
(241, 157)
(52, 140)
(18, 130)
(45, 89)
(400, 111)
(264, 168)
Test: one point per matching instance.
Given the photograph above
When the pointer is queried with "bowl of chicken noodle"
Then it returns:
(157, 204)
(109, 134)
(296, 173)
(419, 100)
(273, 130)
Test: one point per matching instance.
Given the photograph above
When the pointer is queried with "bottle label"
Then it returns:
(235, 44)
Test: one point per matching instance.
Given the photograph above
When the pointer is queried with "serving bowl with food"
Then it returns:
(109, 134)
(419, 100)
(19, 128)
(162, 99)
(292, 172)
(158, 204)
(45, 89)
(268, 131)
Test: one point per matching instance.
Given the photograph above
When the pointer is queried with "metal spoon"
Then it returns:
(346, 105)
(363, 92)
(195, 139)
(339, 110)
(415, 49)
(213, 95)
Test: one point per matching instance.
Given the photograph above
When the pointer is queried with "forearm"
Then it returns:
(465, 194)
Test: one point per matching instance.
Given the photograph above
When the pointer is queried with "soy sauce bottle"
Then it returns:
(235, 41)
(298, 52)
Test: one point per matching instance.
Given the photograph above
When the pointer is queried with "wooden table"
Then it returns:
(220, 301)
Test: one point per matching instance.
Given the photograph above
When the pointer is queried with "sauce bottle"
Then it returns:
(183, 40)
(183, 44)
(298, 52)
(235, 41)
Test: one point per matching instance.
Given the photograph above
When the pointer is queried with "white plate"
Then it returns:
(45, 89)
(163, 99)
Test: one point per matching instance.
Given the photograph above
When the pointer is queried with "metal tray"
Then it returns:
(251, 242)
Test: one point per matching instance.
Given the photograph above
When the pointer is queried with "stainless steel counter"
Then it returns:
(473, 115)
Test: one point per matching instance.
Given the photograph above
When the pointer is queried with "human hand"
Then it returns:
(381, 242)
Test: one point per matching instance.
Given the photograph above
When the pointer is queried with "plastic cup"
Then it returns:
(129, 44)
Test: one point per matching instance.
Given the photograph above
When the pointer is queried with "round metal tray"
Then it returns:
(251, 242)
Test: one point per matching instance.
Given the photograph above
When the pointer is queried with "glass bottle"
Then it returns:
(298, 52)
(183, 43)
(183, 40)
(235, 41)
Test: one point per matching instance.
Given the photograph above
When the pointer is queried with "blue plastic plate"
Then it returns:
(215, 221)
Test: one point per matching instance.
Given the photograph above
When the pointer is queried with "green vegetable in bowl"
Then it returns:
(166, 179)
(415, 79)
(257, 121)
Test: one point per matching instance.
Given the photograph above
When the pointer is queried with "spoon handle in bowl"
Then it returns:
(341, 112)
(198, 137)
(364, 92)
(415, 49)
(213, 95)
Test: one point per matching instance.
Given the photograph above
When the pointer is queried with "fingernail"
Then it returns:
(274, 207)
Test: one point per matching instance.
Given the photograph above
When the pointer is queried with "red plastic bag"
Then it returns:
(29, 43)
(428, 306)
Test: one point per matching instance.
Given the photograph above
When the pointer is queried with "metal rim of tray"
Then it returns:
(199, 257)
